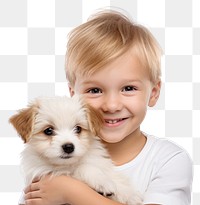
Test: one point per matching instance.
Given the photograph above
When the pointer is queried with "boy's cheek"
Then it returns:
(91, 102)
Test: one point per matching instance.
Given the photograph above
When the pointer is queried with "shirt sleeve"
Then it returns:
(171, 181)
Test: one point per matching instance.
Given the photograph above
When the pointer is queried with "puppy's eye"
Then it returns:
(49, 131)
(77, 129)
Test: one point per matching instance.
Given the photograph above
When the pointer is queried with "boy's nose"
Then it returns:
(112, 103)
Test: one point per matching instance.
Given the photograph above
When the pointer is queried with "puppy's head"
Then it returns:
(59, 129)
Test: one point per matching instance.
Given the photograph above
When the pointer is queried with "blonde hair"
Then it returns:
(103, 38)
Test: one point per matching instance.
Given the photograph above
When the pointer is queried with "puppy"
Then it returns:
(60, 136)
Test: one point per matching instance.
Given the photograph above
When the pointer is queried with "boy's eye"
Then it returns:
(94, 90)
(129, 88)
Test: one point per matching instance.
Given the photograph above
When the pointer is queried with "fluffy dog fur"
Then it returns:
(60, 136)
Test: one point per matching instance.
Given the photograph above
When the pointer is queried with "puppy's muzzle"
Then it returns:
(68, 148)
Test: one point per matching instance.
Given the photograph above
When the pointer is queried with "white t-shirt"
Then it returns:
(162, 172)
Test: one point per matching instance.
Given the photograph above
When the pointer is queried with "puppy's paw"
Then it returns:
(97, 180)
(107, 189)
(106, 194)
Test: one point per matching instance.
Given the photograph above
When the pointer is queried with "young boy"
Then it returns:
(115, 65)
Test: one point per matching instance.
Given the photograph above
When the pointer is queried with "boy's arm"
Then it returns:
(62, 190)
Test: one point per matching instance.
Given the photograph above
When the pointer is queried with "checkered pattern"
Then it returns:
(33, 36)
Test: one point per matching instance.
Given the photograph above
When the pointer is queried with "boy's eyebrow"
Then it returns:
(133, 80)
(88, 82)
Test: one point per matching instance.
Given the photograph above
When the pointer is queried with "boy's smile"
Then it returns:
(121, 91)
(114, 122)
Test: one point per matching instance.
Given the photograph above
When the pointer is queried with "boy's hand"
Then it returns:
(46, 191)
(59, 190)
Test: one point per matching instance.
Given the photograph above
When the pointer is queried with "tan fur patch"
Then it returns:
(95, 120)
(23, 122)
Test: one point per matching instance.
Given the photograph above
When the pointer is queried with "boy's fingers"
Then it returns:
(27, 189)
(32, 187)
(32, 195)
(36, 179)
(34, 202)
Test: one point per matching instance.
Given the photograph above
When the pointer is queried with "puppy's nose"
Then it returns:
(68, 148)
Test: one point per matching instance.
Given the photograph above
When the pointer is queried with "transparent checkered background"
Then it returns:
(33, 36)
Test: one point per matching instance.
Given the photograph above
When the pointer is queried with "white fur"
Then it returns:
(89, 162)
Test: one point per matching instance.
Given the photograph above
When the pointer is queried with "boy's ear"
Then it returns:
(71, 91)
(95, 120)
(155, 93)
(23, 122)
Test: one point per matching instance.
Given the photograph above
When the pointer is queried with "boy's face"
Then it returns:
(122, 92)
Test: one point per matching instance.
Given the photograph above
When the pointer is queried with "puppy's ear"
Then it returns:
(95, 120)
(23, 122)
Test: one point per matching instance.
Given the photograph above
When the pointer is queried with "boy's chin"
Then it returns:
(112, 138)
